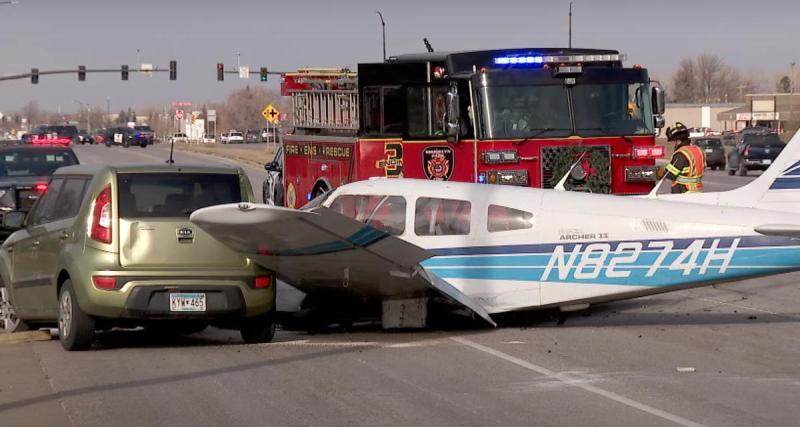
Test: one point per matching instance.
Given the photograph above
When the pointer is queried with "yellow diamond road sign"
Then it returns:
(271, 113)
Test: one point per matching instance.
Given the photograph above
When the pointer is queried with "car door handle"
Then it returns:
(64, 236)
(36, 244)
(10, 249)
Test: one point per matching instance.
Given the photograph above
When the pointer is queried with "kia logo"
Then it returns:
(185, 233)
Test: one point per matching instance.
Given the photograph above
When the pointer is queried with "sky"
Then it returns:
(755, 36)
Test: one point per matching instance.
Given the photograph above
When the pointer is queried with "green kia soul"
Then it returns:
(110, 246)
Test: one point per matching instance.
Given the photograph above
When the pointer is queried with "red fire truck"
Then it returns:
(523, 117)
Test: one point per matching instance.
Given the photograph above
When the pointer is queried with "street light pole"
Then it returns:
(383, 29)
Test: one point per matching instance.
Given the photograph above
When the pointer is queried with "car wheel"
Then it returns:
(75, 328)
(108, 144)
(9, 322)
(126, 144)
(264, 192)
(143, 145)
(259, 329)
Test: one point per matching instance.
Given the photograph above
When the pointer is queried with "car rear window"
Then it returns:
(768, 139)
(709, 143)
(155, 195)
(34, 162)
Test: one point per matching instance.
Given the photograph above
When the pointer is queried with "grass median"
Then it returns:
(255, 155)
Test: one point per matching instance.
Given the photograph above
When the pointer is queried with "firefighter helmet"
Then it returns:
(678, 133)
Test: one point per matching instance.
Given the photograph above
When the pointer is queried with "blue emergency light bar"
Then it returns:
(565, 59)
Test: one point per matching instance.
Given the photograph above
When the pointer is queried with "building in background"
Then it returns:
(699, 115)
(778, 111)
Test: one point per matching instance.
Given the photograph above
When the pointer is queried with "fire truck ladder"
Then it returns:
(330, 103)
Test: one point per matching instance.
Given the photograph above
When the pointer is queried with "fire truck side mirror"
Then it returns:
(272, 166)
(453, 113)
(659, 100)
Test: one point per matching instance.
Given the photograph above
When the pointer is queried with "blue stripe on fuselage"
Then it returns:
(753, 256)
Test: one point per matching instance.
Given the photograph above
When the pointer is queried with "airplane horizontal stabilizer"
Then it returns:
(320, 251)
(782, 230)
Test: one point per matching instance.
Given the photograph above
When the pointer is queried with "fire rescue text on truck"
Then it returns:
(515, 117)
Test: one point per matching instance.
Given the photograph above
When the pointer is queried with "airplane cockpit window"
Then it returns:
(442, 217)
(387, 213)
(502, 218)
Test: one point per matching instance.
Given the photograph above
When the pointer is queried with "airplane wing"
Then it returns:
(782, 230)
(320, 250)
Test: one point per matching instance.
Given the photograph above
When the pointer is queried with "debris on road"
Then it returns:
(23, 337)
(686, 369)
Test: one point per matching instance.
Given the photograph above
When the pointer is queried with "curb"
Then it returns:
(23, 337)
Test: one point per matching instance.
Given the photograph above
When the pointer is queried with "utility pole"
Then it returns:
(570, 25)
(383, 28)
(791, 96)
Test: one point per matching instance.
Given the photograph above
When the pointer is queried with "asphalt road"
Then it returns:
(722, 356)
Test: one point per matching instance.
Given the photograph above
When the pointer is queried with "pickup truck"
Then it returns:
(756, 151)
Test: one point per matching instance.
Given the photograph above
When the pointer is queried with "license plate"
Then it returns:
(187, 302)
(766, 161)
(709, 150)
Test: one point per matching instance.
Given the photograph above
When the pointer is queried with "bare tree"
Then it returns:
(242, 109)
(684, 82)
(32, 113)
(784, 85)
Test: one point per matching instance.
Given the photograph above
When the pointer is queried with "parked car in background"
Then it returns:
(235, 137)
(755, 151)
(699, 132)
(177, 279)
(223, 138)
(209, 138)
(269, 135)
(24, 172)
(714, 151)
(55, 135)
(252, 136)
(85, 137)
(144, 134)
(178, 137)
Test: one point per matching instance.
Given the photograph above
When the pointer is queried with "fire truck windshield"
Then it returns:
(511, 107)
(525, 111)
(612, 109)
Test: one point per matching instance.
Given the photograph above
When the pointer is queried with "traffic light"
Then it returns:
(81, 73)
(35, 76)
(173, 70)
(124, 72)
(220, 72)
(263, 74)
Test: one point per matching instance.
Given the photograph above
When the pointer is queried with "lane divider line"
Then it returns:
(569, 380)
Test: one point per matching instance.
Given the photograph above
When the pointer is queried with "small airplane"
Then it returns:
(493, 249)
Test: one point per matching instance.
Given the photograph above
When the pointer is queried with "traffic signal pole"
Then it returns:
(80, 70)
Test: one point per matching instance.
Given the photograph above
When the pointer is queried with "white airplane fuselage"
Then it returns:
(584, 248)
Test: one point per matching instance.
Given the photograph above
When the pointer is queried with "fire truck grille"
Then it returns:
(592, 175)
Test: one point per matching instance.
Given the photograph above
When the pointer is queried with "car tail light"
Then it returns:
(104, 282)
(747, 151)
(262, 282)
(41, 187)
(648, 152)
(101, 217)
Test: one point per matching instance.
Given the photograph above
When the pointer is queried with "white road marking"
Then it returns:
(570, 380)
(377, 344)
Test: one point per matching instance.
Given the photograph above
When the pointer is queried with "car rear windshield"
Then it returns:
(155, 195)
(143, 128)
(34, 162)
(709, 143)
(767, 139)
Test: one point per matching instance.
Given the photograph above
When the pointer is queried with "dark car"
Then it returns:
(54, 135)
(123, 136)
(714, 151)
(756, 151)
(24, 173)
(144, 134)
(252, 136)
(85, 137)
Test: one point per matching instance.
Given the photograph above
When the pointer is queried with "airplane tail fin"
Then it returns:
(778, 188)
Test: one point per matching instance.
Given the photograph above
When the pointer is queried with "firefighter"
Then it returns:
(685, 169)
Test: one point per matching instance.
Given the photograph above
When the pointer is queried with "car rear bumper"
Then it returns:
(147, 296)
(153, 303)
